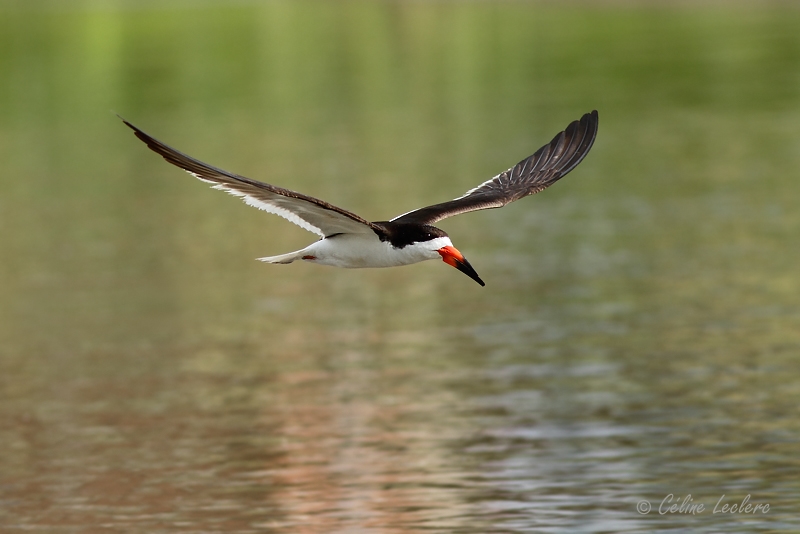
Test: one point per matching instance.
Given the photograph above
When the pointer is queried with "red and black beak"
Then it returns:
(451, 256)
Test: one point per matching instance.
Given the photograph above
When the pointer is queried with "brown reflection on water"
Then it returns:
(341, 470)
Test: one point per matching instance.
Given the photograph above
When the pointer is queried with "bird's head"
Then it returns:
(437, 241)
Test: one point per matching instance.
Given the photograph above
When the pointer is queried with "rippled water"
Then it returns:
(638, 337)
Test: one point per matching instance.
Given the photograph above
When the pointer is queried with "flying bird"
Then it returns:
(347, 240)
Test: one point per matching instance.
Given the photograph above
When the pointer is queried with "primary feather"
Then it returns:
(531, 175)
(309, 213)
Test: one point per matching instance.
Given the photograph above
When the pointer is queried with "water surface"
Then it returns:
(638, 336)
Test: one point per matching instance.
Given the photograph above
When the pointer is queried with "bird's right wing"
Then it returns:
(529, 176)
(307, 212)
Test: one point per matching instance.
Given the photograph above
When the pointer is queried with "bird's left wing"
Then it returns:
(309, 213)
(529, 176)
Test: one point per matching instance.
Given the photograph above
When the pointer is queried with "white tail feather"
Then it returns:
(283, 258)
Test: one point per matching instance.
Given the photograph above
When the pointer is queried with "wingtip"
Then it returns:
(128, 124)
(593, 117)
(151, 142)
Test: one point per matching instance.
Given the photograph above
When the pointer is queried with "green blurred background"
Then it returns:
(638, 336)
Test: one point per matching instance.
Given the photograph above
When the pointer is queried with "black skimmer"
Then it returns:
(347, 240)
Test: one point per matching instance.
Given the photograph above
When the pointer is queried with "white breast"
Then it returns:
(363, 250)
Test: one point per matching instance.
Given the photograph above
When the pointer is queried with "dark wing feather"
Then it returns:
(529, 176)
(309, 213)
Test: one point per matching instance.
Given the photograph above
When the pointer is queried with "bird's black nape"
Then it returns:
(401, 235)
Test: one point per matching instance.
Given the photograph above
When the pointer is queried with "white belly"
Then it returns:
(362, 250)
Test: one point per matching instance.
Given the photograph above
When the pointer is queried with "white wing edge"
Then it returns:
(468, 193)
(265, 206)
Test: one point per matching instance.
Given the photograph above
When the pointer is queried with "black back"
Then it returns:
(403, 234)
